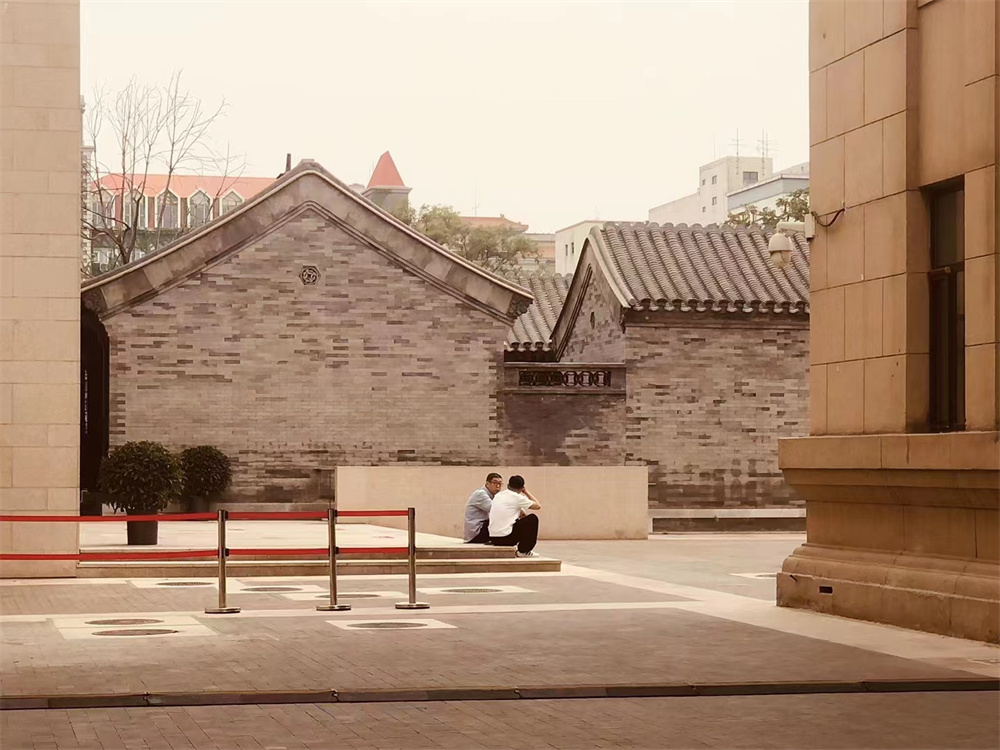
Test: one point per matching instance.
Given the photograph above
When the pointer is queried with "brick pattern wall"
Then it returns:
(706, 406)
(371, 365)
(562, 430)
(602, 341)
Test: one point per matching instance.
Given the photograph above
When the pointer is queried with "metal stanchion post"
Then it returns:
(331, 520)
(222, 609)
(411, 544)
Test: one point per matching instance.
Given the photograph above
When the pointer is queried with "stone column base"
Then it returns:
(936, 594)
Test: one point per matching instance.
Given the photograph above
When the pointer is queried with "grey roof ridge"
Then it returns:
(304, 167)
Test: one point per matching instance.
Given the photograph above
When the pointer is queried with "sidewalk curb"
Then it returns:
(494, 693)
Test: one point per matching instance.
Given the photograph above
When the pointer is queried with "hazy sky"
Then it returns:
(549, 112)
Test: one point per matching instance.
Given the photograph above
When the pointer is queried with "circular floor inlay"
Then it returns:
(471, 591)
(184, 583)
(388, 625)
(124, 621)
(273, 588)
(138, 631)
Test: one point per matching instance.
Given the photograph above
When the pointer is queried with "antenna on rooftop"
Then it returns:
(766, 148)
(738, 144)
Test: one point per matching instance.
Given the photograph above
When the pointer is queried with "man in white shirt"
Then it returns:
(509, 523)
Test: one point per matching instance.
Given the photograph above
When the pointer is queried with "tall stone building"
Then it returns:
(40, 138)
(901, 471)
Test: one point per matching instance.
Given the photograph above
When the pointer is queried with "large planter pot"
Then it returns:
(142, 532)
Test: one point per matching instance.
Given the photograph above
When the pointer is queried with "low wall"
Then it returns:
(578, 502)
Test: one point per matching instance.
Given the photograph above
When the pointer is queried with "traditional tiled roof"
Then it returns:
(385, 175)
(532, 331)
(725, 268)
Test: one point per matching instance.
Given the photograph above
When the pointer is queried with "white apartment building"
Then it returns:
(569, 244)
(765, 194)
(716, 181)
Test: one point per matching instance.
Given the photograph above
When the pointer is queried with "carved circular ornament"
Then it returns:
(309, 275)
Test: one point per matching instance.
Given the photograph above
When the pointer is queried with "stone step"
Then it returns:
(253, 568)
(666, 520)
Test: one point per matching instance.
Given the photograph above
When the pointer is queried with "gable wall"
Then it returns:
(371, 365)
(603, 341)
(706, 406)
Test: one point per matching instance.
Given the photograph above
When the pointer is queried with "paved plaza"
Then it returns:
(671, 611)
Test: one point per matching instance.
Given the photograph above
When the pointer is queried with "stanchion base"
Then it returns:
(333, 607)
(222, 611)
(412, 605)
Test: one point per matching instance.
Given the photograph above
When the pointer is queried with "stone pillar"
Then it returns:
(902, 527)
(40, 142)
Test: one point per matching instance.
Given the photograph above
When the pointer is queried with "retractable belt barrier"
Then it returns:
(223, 552)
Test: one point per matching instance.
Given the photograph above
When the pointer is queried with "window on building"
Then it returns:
(168, 212)
(199, 209)
(749, 178)
(947, 309)
(703, 182)
(101, 210)
(715, 178)
(230, 202)
(703, 209)
(134, 204)
(715, 201)
(572, 249)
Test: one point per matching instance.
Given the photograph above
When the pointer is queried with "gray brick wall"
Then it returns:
(371, 365)
(562, 430)
(601, 341)
(706, 404)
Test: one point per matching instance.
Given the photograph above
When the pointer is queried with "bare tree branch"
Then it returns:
(154, 130)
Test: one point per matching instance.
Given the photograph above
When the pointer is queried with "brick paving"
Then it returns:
(579, 627)
(929, 720)
(296, 648)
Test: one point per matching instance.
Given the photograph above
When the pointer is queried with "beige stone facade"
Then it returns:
(40, 125)
(901, 471)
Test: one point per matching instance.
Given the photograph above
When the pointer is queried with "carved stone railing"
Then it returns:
(564, 378)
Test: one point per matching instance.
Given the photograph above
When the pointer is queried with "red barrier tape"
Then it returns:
(107, 556)
(364, 513)
(369, 550)
(92, 519)
(305, 515)
(267, 551)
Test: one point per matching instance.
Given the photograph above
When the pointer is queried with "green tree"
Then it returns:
(793, 207)
(498, 249)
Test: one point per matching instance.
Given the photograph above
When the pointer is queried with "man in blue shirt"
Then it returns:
(477, 510)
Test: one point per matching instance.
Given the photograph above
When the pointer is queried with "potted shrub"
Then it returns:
(140, 478)
(207, 474)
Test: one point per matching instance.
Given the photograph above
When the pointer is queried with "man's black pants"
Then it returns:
(524, 534)
(483, 537)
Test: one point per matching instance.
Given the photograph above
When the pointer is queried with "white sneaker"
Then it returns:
(526, 554)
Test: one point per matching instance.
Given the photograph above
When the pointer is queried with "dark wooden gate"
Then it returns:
(93, 397)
